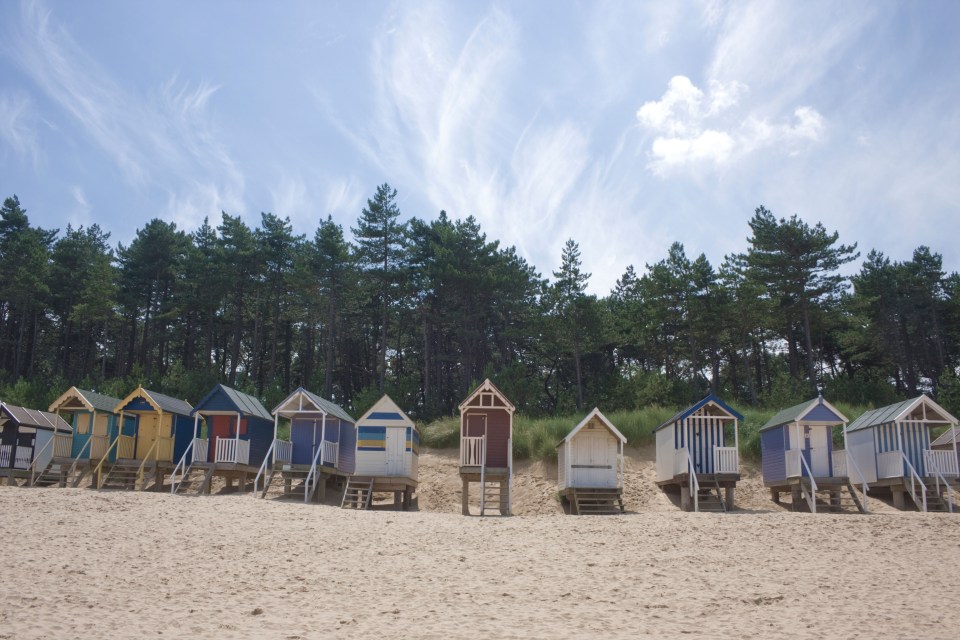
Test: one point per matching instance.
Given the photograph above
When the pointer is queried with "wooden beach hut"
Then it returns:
(697, 452)
(28, 440)
(590, 467)
(239, 431)
(486, 448)
(322, 447)
(147, 447)
(892, 446)
(94, 424)
(388, 457)
(949, 440)
(798, 457)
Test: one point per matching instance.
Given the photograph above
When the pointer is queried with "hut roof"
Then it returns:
(386, 410)
(897, 411)
(321, 403)
(242, 402)
(487, 385)
(710, 399)
(35, 418)
(159, 401)
(603, 419)
(947, 437)
(92, 400)
(816, 410)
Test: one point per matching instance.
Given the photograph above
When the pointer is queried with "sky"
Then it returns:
(623, 125)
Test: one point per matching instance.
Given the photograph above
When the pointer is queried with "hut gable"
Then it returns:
(709, 406)
(386, 411)
(594, 419)
(487, 396)
(143, 400)
(817, 410)
(919, 409)
(301, 401)
(82, 399)
(223, 398)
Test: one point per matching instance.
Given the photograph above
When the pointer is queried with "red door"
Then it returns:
(221, 428)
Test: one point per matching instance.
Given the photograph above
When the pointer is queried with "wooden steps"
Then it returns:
(710, 497)
(490, 496)
(358, 494)
(287, 483)
(123, 475)
(596, 502)
(197, 478)
(49, 476)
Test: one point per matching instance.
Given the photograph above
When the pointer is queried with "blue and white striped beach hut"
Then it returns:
(388, 456)
(892, 447)
(697, 452)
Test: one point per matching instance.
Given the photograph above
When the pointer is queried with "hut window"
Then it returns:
(83, 423)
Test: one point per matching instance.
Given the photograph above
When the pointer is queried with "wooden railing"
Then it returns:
(62, 445)
(152, 453)
(98, 470)
(890, 464)
(725, 460)
(98, 446)
(182, 465)
(940, 460)
(938, 481)
(915, 485)
(233, 451)
(811, 496)
(331, 453)
(694, 484)
(263, 468)
(471, 451)
(857, 477)
(839, 461)
(792, 459)
(21, 457)
(126, 447)
(283, 452)
(5, 451)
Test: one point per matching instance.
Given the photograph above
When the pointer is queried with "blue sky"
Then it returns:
(624, 125)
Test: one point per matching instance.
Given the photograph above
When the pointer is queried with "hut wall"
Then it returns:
(498, 433)
(773, 455)
(42, 455)
(916, 439)
(82, 423)
(304, 432)
(562, 466)
(347, 454)
(861, 446)
(182, 432)
(665, 452)
(260, 434)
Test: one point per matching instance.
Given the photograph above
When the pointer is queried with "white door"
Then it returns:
(592, 466)
(819, 451)
(396, 443)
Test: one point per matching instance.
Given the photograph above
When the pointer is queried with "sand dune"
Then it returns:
(102, 564)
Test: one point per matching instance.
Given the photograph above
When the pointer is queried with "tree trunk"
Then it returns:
(808, 339)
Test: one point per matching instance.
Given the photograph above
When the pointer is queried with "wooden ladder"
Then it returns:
(710, 498)
(490, 496)
(358, 494)
(600, 502)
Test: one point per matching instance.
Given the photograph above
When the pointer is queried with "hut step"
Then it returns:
(358, 494)
(491, 497)
(597, 502)
(49, 476)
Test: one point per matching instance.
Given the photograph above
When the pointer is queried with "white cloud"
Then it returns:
(693, 128)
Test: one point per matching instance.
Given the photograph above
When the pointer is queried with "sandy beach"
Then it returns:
(125, 565)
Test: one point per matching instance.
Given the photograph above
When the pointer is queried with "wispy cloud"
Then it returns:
(18, 126)
(166, 139)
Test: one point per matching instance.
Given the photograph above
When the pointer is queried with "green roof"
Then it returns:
(99, 401)
(883, 415)
(169, 404)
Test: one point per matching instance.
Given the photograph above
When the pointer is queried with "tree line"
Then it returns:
(423, 309)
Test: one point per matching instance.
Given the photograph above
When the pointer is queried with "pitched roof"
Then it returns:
(324, 405)
(947, 437)
(37, 419)
(243, 402)
(893, 412)
(387, 405)
(590, 416)
(803, 410)
(92, 400)
(680, 415)
(489, 386)
(162, 402)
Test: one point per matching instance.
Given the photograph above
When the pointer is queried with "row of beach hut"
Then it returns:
(147, 436)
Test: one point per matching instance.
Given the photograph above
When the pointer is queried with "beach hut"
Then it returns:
(798, 457)
(949, 440)
(590, 467)
(697, 452)
(28, 440)
(388, 457)
(486, 448)
(239, 433)
(146, 447)
(892, 447)
(94, 424)
(322, 447)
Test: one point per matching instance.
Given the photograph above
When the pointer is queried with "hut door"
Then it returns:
(590, 456)
(396, 443)
(146, 434)
(25, 443)
(819, 451)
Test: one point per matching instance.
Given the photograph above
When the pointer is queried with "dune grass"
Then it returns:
(536, 438)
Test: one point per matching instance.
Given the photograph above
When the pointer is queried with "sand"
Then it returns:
(151, 565)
